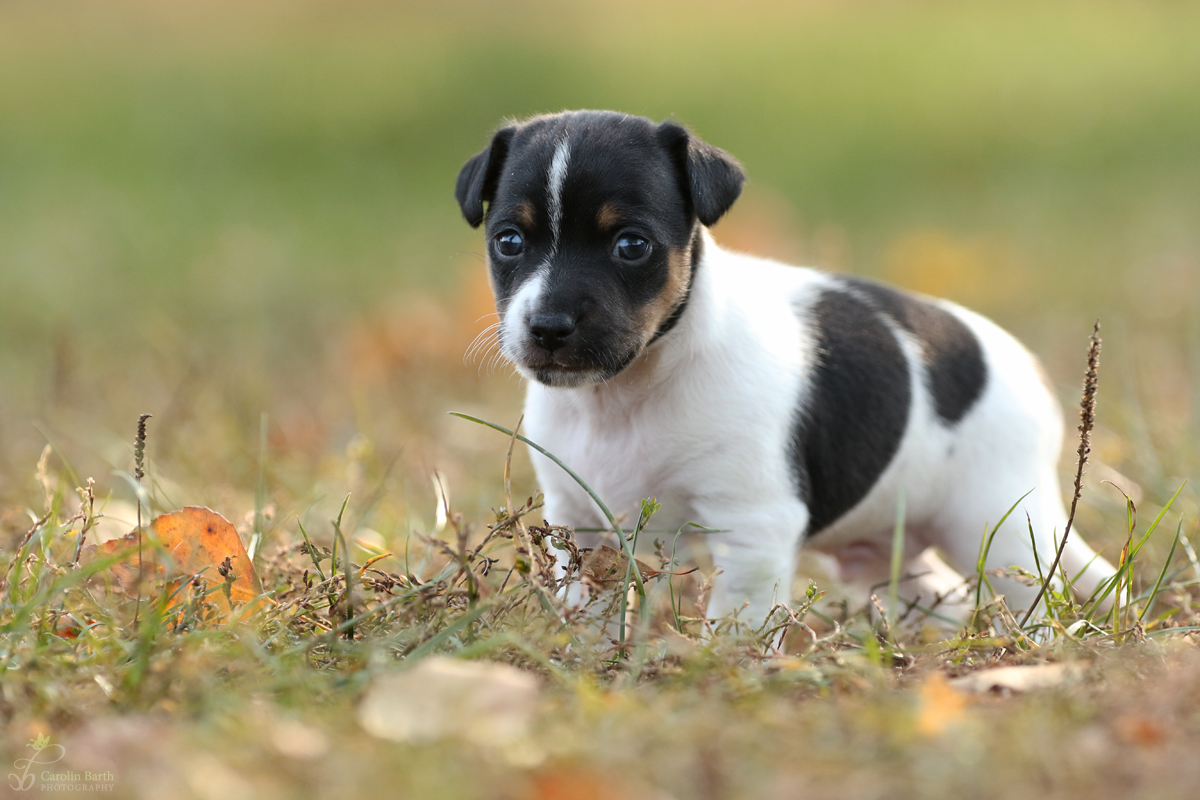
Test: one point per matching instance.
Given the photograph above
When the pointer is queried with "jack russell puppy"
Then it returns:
(778, 405)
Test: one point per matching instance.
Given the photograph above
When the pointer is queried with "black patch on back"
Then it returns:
(856, 415)
(953, 357)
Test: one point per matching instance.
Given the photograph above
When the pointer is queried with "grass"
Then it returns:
(238, 217)
(129, 688)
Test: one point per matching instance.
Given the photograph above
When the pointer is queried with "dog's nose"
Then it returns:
(550, 331)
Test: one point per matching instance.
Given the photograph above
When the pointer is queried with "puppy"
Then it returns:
(775, 404)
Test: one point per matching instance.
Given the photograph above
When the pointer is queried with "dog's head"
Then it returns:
(593, 230)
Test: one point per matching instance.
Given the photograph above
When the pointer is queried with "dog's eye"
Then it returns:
(510, 244)
(631, 248)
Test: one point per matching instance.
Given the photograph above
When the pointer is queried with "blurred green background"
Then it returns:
(214, 210)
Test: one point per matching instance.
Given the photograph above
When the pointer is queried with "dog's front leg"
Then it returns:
(756, 555)
(567, 506)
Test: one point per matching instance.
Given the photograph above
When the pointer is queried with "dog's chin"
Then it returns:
(570, 376)
(563, 378)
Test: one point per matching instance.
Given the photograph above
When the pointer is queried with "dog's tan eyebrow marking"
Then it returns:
(609, 217)
(524, 214)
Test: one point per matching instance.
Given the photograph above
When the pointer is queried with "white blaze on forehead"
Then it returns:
(558, 173)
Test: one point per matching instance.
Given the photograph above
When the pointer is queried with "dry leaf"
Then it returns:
(67, 628)
(195, 538)
(485, 703)
(294, 739)
(1018, 679)
(1141, 730)
(941, 706)
(565, 783)
(605, 567)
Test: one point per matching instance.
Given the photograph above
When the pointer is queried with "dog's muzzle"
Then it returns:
(561, 350)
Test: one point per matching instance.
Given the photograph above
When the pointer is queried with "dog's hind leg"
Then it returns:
(938, 590)
(1083, 567)
(1038, 518)
(927, 584)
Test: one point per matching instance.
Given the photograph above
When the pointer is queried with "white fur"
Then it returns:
(702, 421)
(516, 317)
(558, 174)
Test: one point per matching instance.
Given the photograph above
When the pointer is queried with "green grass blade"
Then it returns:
(985, 547)
(311, 552)
(1108, 587)
(433, 642)
(253, 552)
(1162, 574)
(612, 520)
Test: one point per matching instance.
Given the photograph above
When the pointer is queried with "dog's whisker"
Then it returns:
(477, 350)
(494, 358)
(498, 358)
(475, 343)
(482, 342)
(488, 330)
(487, 355)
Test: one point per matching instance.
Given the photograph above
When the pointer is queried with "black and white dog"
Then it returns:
(776, 404)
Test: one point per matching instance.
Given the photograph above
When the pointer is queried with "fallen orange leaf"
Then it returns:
(941, 706)
(197, 540)
(1141, 730)
(569, 784)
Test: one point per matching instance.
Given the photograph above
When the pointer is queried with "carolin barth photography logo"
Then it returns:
(35, 771)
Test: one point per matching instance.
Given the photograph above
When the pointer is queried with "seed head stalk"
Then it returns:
(139, 472)
(1087, 420)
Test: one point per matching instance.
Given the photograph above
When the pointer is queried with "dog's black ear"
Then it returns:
(712, 178)
(477, 179)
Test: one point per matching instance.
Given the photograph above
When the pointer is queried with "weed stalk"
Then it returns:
(1087, 420)
(139, 472)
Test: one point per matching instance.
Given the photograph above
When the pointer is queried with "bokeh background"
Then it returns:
(215, 211)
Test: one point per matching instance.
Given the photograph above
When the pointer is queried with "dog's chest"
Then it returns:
(625, 454)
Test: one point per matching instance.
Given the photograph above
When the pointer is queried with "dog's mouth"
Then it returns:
(570, 371)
